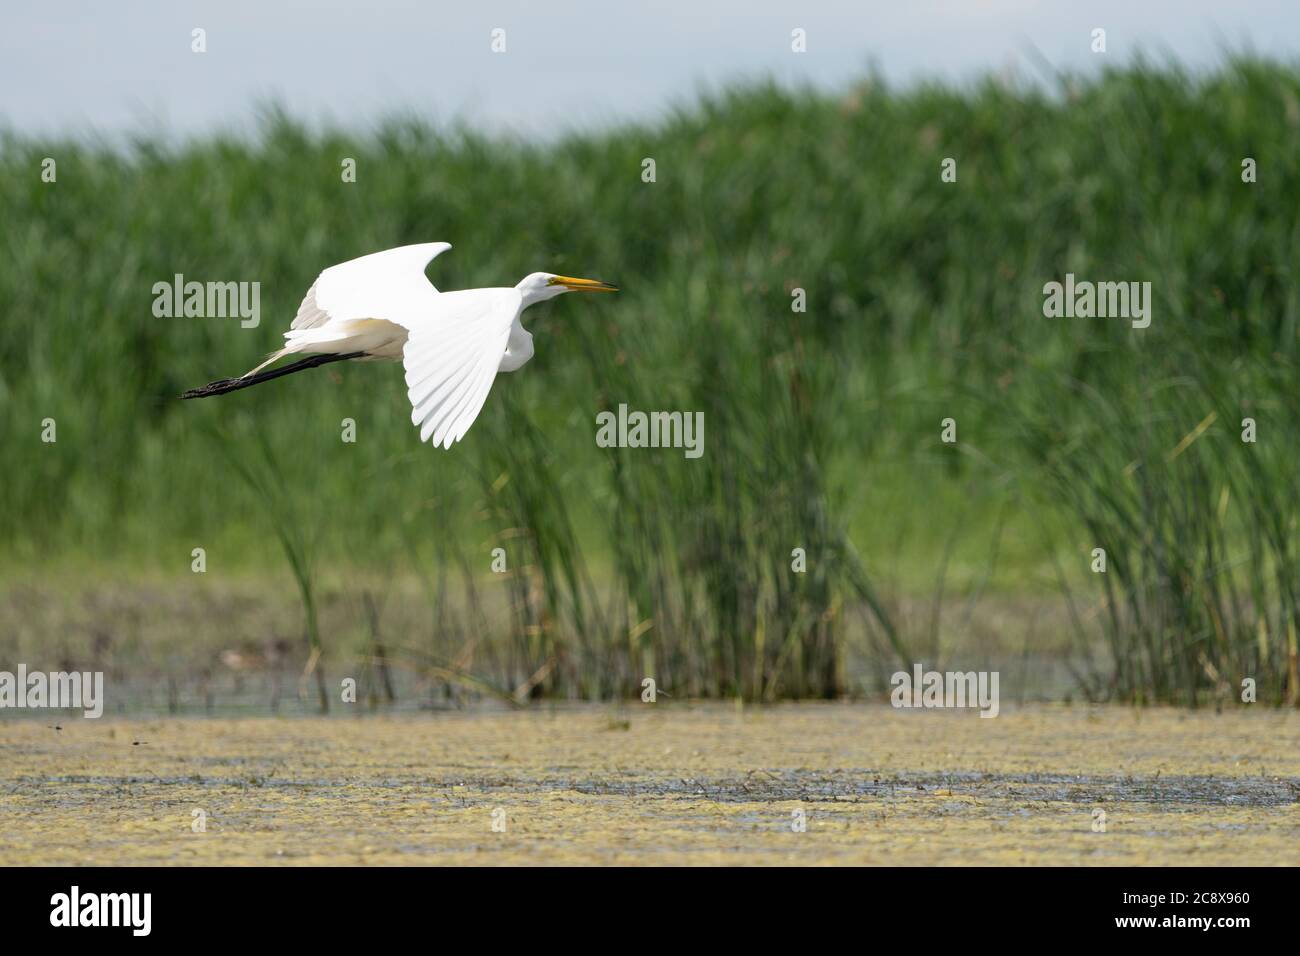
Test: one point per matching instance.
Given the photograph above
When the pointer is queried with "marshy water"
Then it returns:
(659, 784)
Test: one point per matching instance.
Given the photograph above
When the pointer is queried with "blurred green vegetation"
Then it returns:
(924, 302)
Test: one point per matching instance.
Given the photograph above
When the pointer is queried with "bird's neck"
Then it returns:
(532, 294)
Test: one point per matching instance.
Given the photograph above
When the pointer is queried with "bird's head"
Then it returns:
(541, 286)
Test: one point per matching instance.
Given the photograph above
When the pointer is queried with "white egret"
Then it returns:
(382, 306)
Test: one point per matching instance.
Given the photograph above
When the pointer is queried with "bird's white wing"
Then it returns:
(451, 356)
(383, 285)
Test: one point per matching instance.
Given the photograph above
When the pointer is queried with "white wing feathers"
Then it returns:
(454, 341)
(451, 359)
(383, 285)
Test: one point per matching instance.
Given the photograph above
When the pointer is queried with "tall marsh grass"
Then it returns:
(1192, 549)
(822, 427)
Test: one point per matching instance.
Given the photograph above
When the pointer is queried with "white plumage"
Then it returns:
(451, 343)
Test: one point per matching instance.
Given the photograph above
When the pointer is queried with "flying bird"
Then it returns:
(452, 344)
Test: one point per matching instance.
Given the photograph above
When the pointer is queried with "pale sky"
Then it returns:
(127, 65)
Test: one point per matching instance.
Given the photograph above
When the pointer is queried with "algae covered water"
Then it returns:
(674, 784)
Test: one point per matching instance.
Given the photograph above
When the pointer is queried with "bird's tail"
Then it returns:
(256, 377)
(273, 357)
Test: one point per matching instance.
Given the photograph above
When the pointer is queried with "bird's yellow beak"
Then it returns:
(582, 285)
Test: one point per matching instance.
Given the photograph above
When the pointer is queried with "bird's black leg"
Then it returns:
(222, 386)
